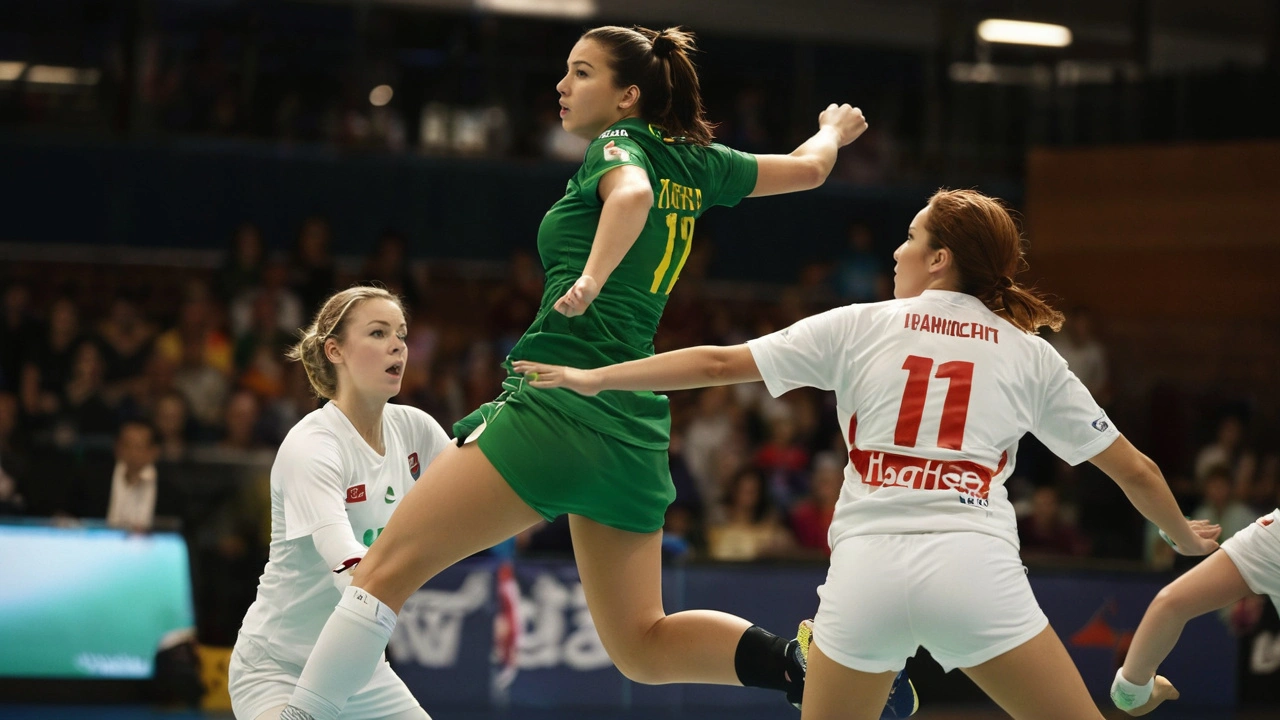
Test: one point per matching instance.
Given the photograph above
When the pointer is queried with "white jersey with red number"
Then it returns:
(326, 474)
(933, 394)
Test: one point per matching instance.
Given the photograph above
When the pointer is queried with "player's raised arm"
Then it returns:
(685, 369)
(808, 166)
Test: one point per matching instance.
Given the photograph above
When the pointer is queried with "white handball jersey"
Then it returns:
(933, 394)
(326, 474)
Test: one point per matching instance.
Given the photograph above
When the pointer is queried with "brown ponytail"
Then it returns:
(660, 64)
(988, 251)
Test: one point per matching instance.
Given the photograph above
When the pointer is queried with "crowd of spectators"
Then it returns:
(156, 401)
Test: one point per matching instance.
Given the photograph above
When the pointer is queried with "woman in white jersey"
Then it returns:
(934, 390)
(1249, 563)
(337, 477)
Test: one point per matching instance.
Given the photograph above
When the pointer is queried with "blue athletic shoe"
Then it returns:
(903, 701)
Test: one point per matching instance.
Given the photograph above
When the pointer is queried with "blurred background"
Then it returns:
(185, 180)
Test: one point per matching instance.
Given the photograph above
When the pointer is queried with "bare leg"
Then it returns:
(1036, 681)
(622, 578)
(1214, 583)
(460, 507)
(835, 692)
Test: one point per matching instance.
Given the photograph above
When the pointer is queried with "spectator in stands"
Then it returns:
(1085, 354)
(197, 339)
(87, 410)
(783, 461)
(1228, 449)
(1220, 505)
(133, 482)
(19, 332)
(752, 528)
(313, 275)
(272, 293)
(49, 359)
(204, 385)
(241, 430)
(811, 516)
(242, 266)
(171, 420)
(389, 265)
(125, 336)
(1046, 530)
(714, 424)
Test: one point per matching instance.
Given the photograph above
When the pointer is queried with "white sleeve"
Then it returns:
(308, 470)
(337, 545)
(1069, 421)
(434, 438)
(802, 355)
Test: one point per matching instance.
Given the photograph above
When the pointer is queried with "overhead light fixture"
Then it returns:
(567, 9)
(380, 95)
(1017, 32)
(10, 71)
(58, 75)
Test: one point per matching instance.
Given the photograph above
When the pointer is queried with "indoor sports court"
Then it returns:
(199, 456)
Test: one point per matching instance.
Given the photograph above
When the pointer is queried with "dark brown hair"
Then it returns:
(660, 64)
(987, 249)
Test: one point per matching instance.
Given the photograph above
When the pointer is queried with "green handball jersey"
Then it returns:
(620, 324)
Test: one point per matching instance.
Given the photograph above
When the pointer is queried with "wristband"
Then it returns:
(1128, 696)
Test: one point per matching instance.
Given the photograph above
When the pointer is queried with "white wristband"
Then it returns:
(1128, 696)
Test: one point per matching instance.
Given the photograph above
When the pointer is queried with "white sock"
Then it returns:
(345, 655)
(1127, 695)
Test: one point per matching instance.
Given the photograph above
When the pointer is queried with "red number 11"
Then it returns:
(955, 408)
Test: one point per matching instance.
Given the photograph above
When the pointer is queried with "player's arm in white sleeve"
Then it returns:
(800, 355)
(309, 471)
(434, 439)
(1072, 425)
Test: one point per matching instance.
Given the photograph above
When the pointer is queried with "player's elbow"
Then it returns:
(810, 172)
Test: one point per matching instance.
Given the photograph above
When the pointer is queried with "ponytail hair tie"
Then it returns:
(1004, 282)
(662, 44)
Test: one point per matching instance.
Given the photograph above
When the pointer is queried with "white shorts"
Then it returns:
(1255, 551)
(257, 682)
(964, 596)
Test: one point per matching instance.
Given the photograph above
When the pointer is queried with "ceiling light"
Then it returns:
(380, 95)
(568, 9)
(11, 70)
(58, 75)
(1024, 33)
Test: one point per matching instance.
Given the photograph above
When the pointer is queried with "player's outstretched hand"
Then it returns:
(847, 121)
(1163, 690)
(579, 298)
(1207, 534)
(583, 382)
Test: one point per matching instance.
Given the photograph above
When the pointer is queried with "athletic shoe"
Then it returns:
(903, 701)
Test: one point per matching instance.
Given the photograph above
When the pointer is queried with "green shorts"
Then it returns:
(559, 465)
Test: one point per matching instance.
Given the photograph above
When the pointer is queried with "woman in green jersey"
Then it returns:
(612, 247)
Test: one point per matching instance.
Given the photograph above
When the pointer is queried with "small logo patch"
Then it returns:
(1101, 424)
(1265, 521)
(355, 494)
(613, 152)
(618, 132)
(390, 496)
(414, 468)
